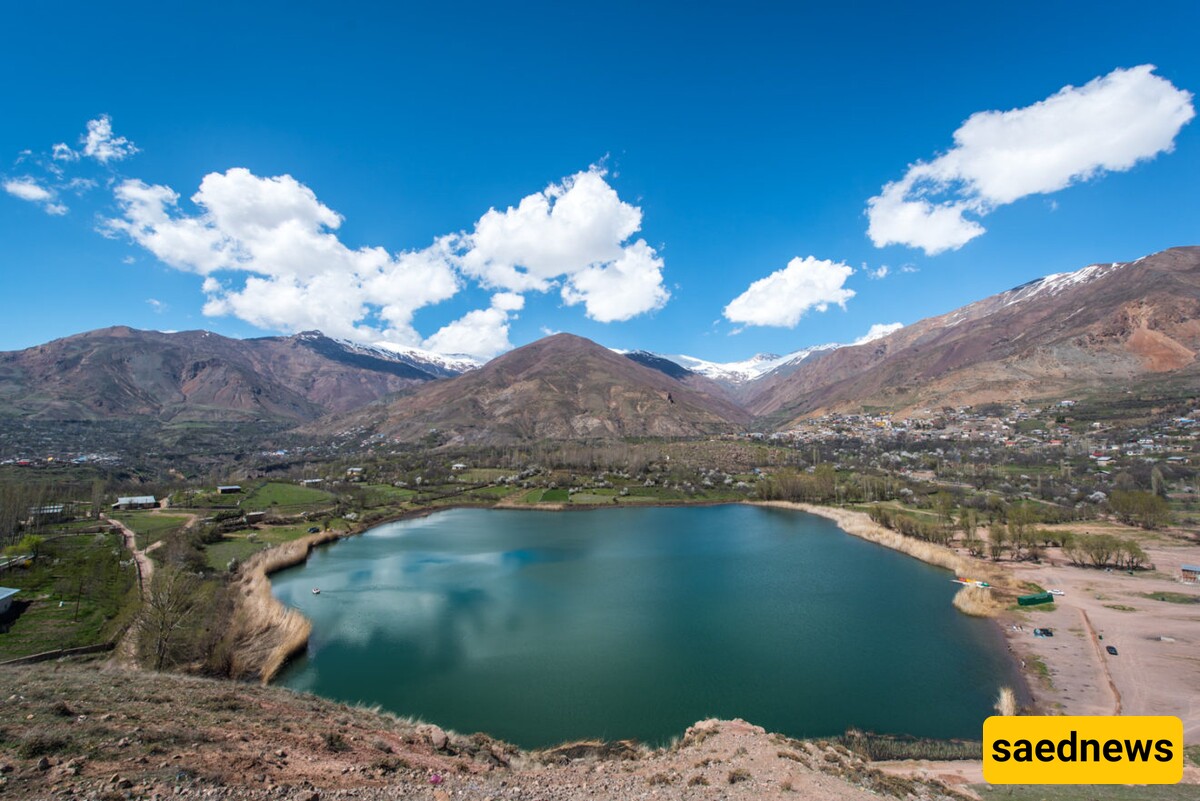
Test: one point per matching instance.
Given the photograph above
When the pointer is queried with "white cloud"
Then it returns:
(30, 190)
(878, 274)
(27, 189)
(100, 143)
(784, 296)
(62, 152)
(910, 268)
(1108, 125)
(878, 331)
(621, 289)
(482, 333)
(158, 306)
(280, 264)
(573, 233)
(269, 254)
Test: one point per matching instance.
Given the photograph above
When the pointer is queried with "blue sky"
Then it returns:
(687, 157)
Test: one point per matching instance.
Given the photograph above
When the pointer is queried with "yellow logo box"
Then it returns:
(1101, 749)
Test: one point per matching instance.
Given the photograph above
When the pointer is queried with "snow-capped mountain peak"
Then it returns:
(454, 363)
(1057, 282)
(746, 370)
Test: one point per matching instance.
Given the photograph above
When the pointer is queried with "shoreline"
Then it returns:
(262, 617)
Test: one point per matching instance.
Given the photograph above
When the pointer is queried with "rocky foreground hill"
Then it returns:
(91, 731)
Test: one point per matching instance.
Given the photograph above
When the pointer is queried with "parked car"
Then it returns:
(1112, 649)
(1057, 592)
(313, 530)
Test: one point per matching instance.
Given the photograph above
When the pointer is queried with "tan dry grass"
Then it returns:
(1006, 702)
(977, 602)
(265, 634)
(860, 525)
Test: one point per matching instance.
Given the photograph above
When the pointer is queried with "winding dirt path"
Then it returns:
(126, 650)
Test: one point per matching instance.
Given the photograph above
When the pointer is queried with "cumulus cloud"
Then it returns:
(482, 333)
(270, 256)
(27, 189)
(1108, 125)
(784, 296)
(30, 190)
(878, 331)
(100, 143)
(878, 274)
(63, 152)
(621, 289)
(575, 235)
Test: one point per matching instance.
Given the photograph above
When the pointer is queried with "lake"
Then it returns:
(541, 627)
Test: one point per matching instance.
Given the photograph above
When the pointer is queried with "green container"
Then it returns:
(1035, 599)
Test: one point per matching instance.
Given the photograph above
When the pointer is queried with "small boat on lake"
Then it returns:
(316, 590)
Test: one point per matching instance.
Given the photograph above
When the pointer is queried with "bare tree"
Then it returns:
(175, 598)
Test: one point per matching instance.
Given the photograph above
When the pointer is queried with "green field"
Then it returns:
(385, 494)
(594, 497)
(76, 593)
(243, 544)
(481, 475)
(150, 527)
(288, 496)
(492, 493)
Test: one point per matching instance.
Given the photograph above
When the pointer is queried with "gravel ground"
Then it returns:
(99, 732)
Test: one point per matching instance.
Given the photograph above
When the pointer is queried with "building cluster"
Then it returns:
(1023, 429)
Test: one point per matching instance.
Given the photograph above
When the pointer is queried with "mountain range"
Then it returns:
(1104, 326)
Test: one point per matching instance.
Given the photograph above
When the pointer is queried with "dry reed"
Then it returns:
(265, 634)
(977, 602)
(862, 526)
(1006, 702)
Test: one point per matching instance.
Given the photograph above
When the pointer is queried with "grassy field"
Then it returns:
(150, 528)
(384, 494)
(1173, 597)
(289, 496)
(76, 593)
(481, 475)
(494, 493)
(242, 544)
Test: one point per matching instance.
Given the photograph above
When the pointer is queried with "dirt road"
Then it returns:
(1157, 668)
(126, 650)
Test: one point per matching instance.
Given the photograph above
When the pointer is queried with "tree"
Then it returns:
(1137, 507)
(997, 540)
(175, 597)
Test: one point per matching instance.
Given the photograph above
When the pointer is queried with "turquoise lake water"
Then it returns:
(540, 627)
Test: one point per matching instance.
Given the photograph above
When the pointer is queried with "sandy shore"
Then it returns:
(1157, 668)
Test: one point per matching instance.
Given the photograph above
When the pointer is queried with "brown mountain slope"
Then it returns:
(560, 387)
(193, 375)
(1102, 326)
